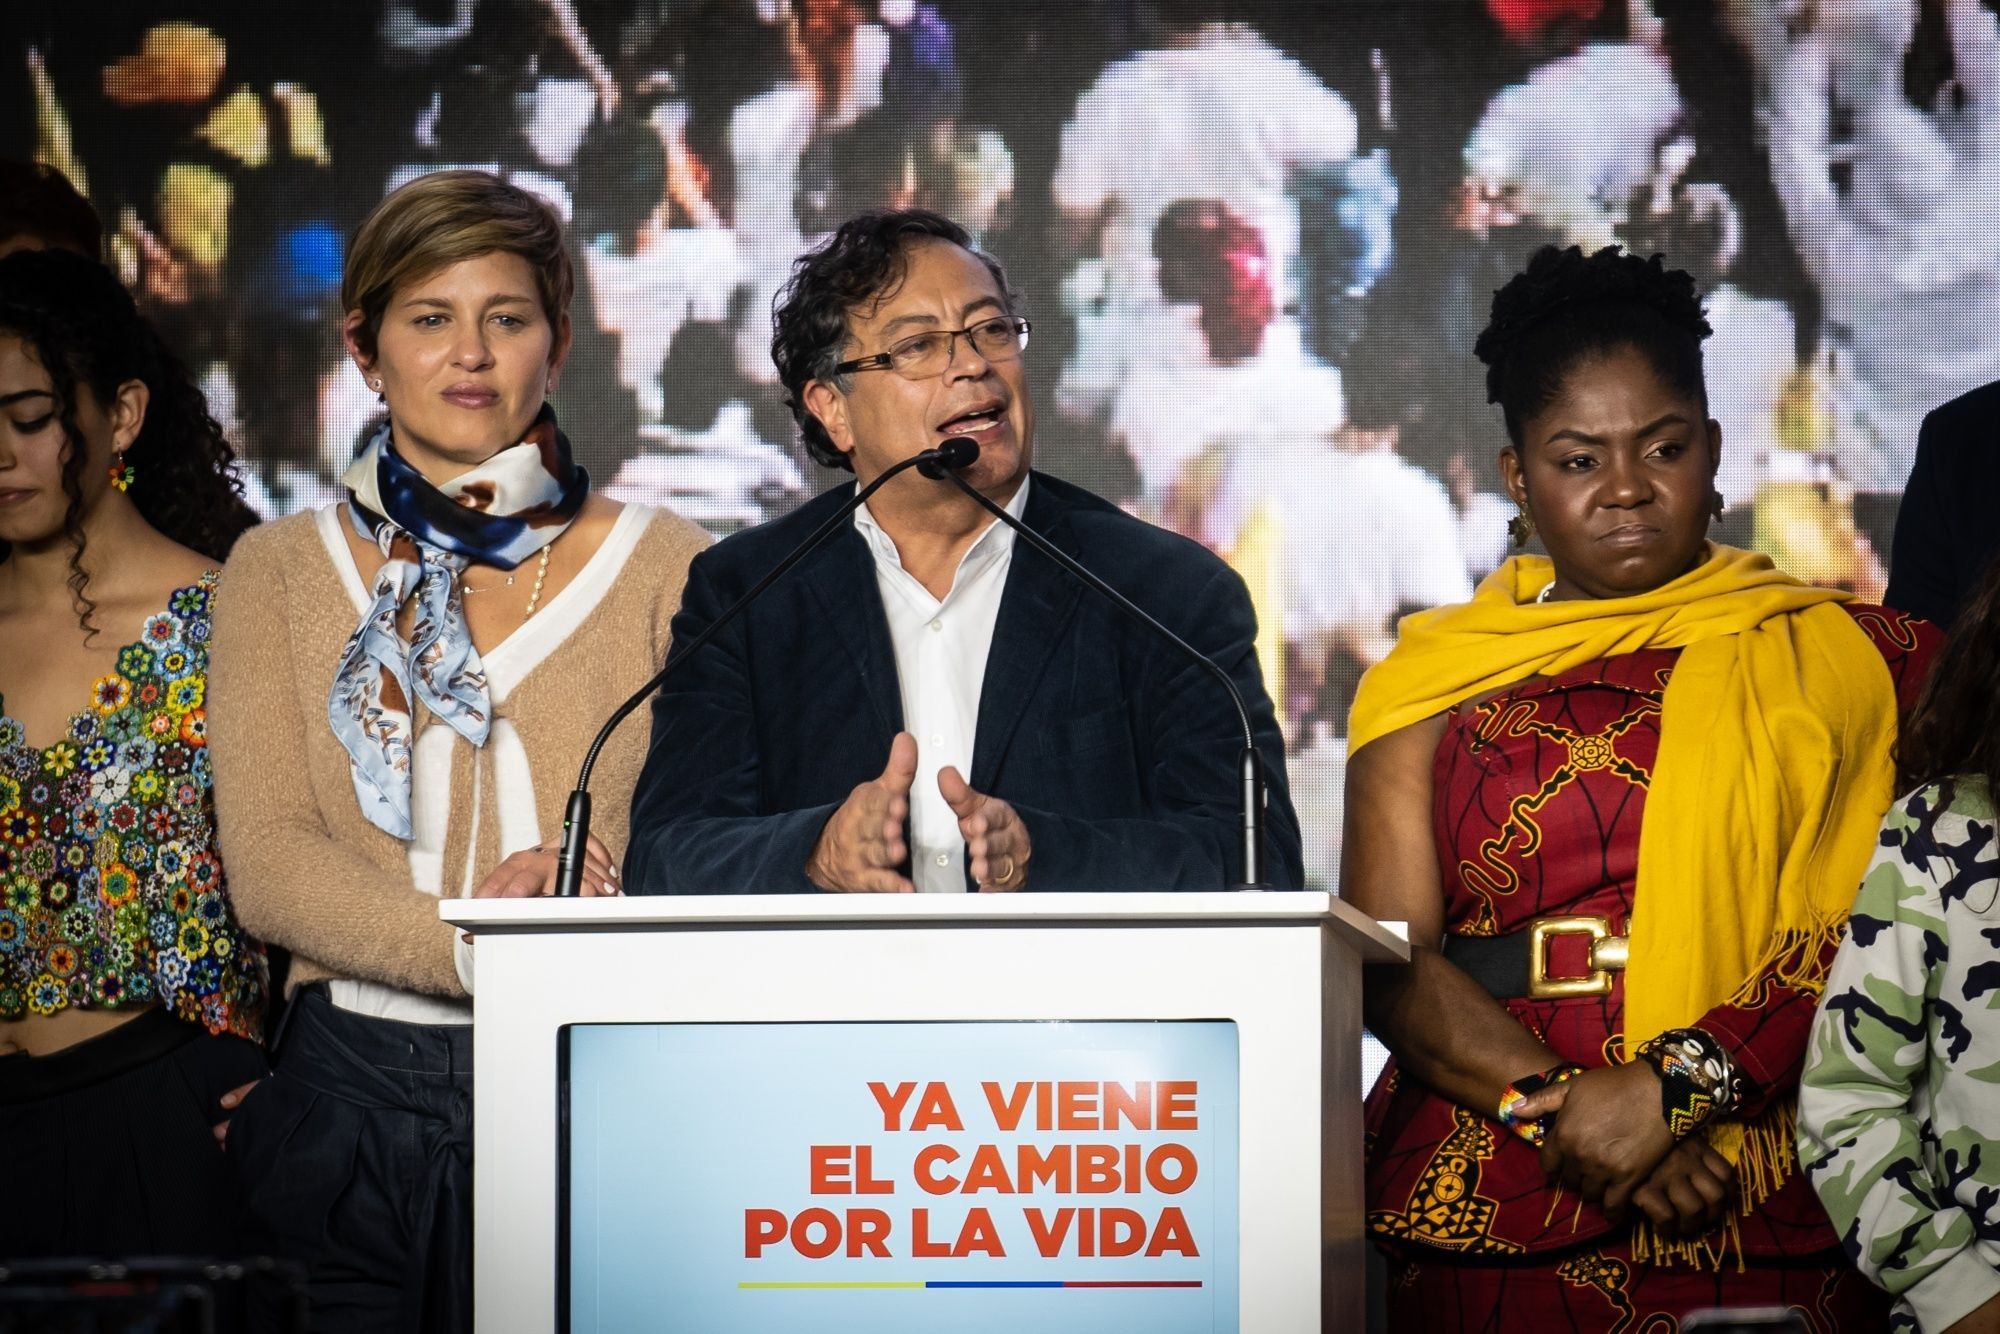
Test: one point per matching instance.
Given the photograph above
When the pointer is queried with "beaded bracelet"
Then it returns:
(1516, 1092)
(1697, 1081)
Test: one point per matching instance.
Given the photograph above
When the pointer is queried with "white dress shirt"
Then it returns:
(941, 648)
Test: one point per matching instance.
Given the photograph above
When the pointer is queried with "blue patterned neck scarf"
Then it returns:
(499, 514)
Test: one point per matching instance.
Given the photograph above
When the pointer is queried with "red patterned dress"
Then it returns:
(1540, 793)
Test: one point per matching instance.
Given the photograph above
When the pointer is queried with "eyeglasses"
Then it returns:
(923, 355)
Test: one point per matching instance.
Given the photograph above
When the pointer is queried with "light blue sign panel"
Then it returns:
(1059, 1178)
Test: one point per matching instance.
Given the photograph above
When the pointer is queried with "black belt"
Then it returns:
(1514, 966)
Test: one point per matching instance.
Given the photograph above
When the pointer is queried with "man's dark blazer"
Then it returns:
(1119, 754)
(1948, 527)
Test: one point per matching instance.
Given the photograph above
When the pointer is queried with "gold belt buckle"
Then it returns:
(1607, 952)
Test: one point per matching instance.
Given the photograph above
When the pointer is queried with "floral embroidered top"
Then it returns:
(111, 891)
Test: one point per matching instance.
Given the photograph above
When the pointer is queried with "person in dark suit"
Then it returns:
(1945, 532)
(923, 705)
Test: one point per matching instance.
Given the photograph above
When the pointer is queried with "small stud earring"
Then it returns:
(376, 384)
(121, 473)
(1717, 505)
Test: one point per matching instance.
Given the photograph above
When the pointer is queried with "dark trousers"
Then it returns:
(111, 1151)
(356, 1161)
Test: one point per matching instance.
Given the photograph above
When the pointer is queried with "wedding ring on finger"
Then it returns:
(1005, 879)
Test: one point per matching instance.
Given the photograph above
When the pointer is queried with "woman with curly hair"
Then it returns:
(1620, 797)
(131, 1003)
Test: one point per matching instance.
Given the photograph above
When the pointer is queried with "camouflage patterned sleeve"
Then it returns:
(1899, 1104)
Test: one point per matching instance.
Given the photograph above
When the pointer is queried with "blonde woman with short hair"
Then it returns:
(411, 677)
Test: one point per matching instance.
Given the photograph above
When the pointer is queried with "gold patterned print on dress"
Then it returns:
(1605, 1275)
(1445, 1208)
(1492, 874)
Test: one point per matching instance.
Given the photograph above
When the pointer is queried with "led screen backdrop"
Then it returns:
(1256, 240)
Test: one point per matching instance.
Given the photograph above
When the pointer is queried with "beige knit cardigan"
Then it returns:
(306, 870)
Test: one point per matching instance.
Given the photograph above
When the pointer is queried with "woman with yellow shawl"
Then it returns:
(1622, 798)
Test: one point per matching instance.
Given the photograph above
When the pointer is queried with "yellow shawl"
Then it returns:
(1773, 772)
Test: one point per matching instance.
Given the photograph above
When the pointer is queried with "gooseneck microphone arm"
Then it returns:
(1250, 767)
(576, 815)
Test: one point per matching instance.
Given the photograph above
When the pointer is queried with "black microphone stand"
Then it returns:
(576, 815)
(1251, 762)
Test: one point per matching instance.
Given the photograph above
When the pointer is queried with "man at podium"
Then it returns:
(924, 704)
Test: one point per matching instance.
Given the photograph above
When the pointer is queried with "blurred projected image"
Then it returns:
(1256, 240)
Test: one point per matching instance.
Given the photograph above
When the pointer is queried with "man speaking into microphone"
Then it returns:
(925, 705)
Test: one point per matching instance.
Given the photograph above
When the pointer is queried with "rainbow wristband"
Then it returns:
(1516, 1092)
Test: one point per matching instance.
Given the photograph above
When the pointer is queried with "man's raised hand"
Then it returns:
(863, 844)
(997, 846)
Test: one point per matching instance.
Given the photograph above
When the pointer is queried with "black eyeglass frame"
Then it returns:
(886, 361)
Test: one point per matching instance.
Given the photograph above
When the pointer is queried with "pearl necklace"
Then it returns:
(541, 573)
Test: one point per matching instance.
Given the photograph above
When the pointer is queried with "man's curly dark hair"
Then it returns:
(85, 332)
(857, 267)
(1567, 307)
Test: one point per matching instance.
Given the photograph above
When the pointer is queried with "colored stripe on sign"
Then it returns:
(990, 1283)
(829, 1285)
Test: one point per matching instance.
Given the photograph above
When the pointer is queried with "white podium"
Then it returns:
(1274, 976)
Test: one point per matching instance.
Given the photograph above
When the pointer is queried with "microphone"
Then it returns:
(961, 452)
(954, 453)
(576, 815)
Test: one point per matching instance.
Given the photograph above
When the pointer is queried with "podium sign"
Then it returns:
(1056, 1112)
(865, 1177)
